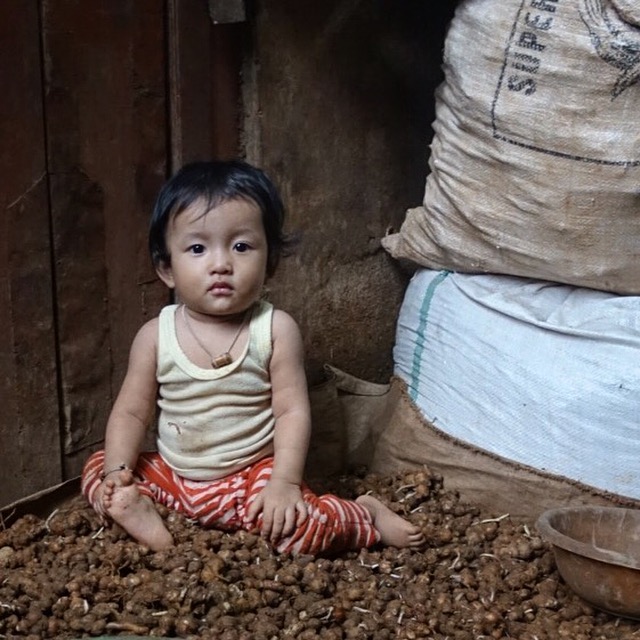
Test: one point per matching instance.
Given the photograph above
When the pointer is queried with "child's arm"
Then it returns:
(132, 411)
(281, 500)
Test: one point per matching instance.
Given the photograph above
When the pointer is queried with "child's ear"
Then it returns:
(165, 273)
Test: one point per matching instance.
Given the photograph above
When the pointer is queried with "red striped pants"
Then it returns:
(333, 524)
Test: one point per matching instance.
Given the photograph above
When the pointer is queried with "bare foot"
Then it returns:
(137, 515)
(125, 477)
(394, 530)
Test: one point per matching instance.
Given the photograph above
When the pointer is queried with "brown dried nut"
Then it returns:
(304, 601)
(271, 598)
(443, 603)
(212, 569)
(290, 574)
(467, 578)
(233, 574)
(353, 592)
(441, 536)
(129, 627)
(499, 569)
(321, 609)
(185, 626)
(86, 623)
(273, 585)
(480, 532)
(104, 609)
(55, 627)
(548, 586)
(315, 579)
(521, 575)
(29, 586)
(194, 565)
(176, 578)
(544, 601)
(76, 521)
(243, 555)
(31, 622)
(6, 554)
(77, 607)
(175, 562)
(265, 628)
(173, 596)
(469, 595)
(386, 567)
(491, 620)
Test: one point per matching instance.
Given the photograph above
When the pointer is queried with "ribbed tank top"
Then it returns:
(215, 421)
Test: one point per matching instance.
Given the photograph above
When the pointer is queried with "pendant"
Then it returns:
(222, 360)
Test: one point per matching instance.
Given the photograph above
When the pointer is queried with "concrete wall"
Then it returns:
(338, 106)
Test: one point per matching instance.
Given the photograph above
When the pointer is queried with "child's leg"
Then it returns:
(131, 503)
(216, 503)
(335, 524)
(394, 530)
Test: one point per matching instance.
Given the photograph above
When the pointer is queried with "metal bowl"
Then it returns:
(597, 553)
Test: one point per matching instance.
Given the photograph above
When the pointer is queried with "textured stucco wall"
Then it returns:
(338, 108)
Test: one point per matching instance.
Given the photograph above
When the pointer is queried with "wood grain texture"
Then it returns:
(28, 386)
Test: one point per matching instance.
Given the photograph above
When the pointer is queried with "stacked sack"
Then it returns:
(519, 335)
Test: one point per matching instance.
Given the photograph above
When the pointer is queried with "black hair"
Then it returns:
(217, 182)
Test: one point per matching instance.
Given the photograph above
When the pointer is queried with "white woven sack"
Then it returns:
(542, 374)
(535, 161)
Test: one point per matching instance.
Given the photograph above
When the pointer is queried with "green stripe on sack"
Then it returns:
(422, 329)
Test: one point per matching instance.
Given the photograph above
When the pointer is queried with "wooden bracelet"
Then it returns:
(121, 467)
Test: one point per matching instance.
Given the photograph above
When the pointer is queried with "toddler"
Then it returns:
(226, 371)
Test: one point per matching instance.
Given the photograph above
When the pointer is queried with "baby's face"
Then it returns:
(218, 257)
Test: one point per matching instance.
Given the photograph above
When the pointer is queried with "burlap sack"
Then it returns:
(535, 162)
(496, 484)
(347, 414)
(363, 406)
(327, 454)
(541, 373)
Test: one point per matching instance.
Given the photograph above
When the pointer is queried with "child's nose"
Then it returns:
(220, 262)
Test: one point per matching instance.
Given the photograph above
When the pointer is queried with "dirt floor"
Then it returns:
(481, 577)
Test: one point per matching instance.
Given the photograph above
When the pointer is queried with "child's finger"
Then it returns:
(253, 510)
(303, 512)
(267, 524)
(290, 521)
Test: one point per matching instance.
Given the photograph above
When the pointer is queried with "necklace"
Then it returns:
(224, 358)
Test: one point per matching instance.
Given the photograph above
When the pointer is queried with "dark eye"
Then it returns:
(241, 247)
(196, 249)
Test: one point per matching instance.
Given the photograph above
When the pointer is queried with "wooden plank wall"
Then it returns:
(89, 127)
(29, 431)
(105, 108)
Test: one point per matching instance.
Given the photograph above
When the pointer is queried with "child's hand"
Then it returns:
(282, 508)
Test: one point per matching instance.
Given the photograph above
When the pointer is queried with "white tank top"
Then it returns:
(214, 422)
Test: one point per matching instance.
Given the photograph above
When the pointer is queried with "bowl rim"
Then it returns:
(558, 539)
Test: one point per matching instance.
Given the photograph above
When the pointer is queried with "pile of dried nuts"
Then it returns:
(480, 576)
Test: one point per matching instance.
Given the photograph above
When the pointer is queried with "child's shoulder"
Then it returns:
(151, 327)
(148, 332)
(283, 324)
(282, 317)
(144, 345)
